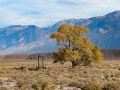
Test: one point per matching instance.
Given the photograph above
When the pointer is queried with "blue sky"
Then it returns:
(47, 12)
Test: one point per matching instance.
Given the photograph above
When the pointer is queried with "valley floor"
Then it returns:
(22, 75)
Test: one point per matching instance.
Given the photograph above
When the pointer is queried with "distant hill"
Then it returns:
(104, 31)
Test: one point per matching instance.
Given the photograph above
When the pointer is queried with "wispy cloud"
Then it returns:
(47, 12)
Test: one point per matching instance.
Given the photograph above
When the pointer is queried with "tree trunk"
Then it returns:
(74, 63)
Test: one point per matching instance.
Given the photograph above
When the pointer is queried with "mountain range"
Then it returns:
(104, 32)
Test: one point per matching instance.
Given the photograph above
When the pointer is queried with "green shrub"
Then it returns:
(91, 87)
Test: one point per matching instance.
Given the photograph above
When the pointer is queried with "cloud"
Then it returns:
(47, 12)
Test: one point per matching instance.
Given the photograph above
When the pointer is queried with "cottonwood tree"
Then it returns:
(74, 46)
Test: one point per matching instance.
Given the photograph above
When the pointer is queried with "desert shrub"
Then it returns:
(1, 82)
(43, 84)
(20, 83)
(4, 88)
(73, 83)
(47, 85)
(91, 87)
(111, 86)
(36, 86)
(21, 68)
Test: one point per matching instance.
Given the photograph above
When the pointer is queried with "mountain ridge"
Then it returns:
(104, 31)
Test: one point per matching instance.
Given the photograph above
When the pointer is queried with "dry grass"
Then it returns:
(24, 76)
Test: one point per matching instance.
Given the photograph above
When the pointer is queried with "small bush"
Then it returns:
(20, 83)
(111, 86)
(91, 87)
(1, 82)
(43, 84)
(36, 86)
(22, 68)
(4, 88)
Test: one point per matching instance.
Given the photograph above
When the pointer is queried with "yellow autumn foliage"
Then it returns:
(75, 46)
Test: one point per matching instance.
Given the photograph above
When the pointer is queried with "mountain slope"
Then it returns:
(104, 31)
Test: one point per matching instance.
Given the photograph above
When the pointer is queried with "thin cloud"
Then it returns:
(47, 12)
